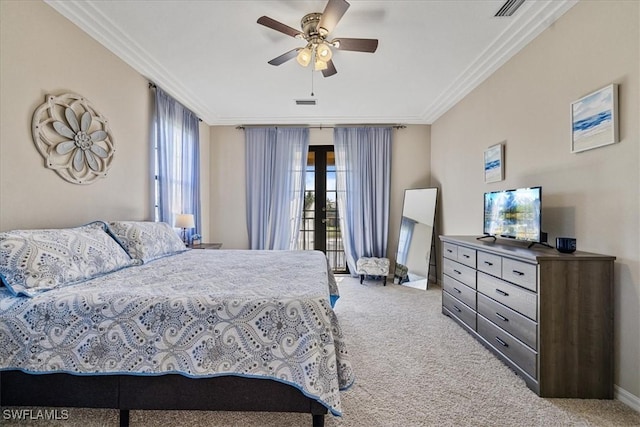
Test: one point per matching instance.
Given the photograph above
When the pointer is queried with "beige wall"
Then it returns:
(410, 159)
(593, 195)
(43, 53)
(228, 219)
(410, 168)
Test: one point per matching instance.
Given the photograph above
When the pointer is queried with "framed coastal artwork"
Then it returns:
(594, 119)
(494, 163)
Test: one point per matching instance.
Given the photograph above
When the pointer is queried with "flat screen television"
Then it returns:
(514, 214)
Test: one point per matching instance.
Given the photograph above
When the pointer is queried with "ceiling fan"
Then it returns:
(315, 29)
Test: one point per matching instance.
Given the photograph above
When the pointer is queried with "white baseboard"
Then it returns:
(627, 398)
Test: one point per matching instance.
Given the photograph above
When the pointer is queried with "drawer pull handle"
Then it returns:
(457, 309)
(488, 263)
(457, 272)
(457, 290)
(465, 255)
(519, 273)
(501, 317)
(502, 343)
(450, 251)
(501, 292)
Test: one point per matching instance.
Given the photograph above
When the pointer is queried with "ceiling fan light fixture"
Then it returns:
(320, 65)
(323, 52)
(304, 56)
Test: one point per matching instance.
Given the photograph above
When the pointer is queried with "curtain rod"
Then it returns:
(153, 86)
(377, 125)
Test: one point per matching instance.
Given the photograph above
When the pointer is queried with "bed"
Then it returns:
(123, 316)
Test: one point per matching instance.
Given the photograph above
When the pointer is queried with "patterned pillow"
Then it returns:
(146, 241)
(33, 261)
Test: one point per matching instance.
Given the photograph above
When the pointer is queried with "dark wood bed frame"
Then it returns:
(165, 392)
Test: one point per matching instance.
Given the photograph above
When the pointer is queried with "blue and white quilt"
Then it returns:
(200, 313)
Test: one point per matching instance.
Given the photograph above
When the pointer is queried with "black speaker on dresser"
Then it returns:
(566, 245)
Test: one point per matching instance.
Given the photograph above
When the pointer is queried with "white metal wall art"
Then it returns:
(73, 138)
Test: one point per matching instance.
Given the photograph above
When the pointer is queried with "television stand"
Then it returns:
(543, 241)
(487, 236)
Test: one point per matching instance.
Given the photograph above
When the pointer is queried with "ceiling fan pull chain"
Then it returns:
(312, 82)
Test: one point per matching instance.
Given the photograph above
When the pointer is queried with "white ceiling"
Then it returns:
(212, 55)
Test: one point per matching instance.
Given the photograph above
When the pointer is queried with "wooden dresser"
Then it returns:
(547, 315)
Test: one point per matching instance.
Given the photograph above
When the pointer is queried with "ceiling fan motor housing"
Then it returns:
(309, 24)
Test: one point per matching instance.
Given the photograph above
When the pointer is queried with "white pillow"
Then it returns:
(33, 261)
(146, 241)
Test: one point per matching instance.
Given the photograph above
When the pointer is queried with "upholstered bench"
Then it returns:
(372, 266)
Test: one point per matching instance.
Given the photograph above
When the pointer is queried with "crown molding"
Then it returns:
(315, 120)
(524, 28)
(87, 17)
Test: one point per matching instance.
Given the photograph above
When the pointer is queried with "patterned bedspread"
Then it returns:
(199, 313)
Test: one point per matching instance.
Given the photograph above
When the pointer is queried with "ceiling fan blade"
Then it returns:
(358, 45)
(284, 57)
(330, 70)
(332, 14)
(279, 26)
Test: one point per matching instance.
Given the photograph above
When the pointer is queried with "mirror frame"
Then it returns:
(426, 218)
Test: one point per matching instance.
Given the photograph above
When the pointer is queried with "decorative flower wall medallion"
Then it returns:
(73, 138)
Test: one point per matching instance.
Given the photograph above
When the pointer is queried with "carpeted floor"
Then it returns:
(414, 367)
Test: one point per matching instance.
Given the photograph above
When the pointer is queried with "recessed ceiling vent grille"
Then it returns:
(305, 102)
(509, 7)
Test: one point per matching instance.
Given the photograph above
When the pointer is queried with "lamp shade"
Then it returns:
(304, 56)
(323, 53)
(185, 221)
(319, 65)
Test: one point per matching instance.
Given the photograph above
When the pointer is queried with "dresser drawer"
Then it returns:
(506, 344)
(461, 273)
(467, 256)
(521, 327)
(460, 310)
(450, 251)
(520, 273)
(514, 297)
(490, 263)
(460, 291)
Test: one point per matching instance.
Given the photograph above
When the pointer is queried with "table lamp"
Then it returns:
(185, 221)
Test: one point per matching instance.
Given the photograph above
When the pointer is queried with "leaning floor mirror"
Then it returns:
(415, 241)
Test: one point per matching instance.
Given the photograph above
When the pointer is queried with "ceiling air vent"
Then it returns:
(509, 7)
(305, 102)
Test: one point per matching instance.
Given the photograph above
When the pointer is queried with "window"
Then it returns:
(176, 143)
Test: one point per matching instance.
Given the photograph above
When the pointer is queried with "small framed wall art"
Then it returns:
(594, 119)
(494, 163)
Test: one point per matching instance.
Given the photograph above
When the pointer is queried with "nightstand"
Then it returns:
(206, 246)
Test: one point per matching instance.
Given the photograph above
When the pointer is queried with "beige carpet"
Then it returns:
(414, 367)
